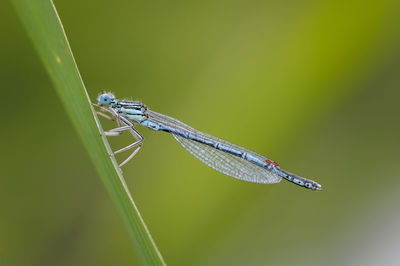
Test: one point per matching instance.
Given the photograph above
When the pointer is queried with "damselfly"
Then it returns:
(223, 156)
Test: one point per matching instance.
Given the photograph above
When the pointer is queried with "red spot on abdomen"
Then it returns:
(270, 162)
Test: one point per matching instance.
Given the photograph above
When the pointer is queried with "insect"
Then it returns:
(225, 157)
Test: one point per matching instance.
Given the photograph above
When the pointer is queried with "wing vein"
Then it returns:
(221, 161)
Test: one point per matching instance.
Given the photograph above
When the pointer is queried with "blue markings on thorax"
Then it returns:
(131, 111)
(136, 118)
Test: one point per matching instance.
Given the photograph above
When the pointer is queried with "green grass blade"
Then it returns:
(41, 20)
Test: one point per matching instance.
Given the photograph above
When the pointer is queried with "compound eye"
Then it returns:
(104, 99)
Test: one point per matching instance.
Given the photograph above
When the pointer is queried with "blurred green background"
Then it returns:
(313, 85)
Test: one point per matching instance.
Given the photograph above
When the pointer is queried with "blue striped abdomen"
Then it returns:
(272, 173)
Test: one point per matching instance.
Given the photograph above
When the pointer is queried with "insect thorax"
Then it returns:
(135, 111)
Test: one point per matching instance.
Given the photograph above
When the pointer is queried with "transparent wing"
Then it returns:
(223, 162)
(228, 164)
